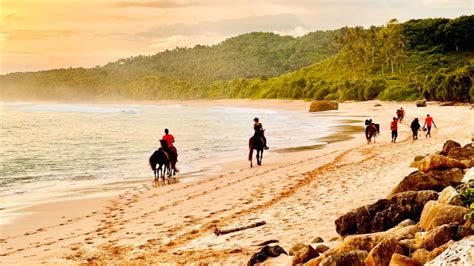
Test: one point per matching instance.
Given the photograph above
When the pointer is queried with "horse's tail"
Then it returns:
(152, 161)
(250, 149)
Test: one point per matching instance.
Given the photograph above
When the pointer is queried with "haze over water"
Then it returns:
(46, 145)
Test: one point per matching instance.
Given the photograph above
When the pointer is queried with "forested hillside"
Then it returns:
(430, 58)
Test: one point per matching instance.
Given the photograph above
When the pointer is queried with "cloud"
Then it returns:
(296, 32)
(152, 4)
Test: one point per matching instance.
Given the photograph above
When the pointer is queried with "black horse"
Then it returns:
(161, 158)
(256, 143)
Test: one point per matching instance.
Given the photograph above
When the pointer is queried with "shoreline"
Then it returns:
(173, 223)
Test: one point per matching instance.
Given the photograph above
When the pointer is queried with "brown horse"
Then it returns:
(256, 143)
(371, 131)
(173, 157)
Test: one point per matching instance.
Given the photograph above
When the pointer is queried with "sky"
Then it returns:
(48, 34)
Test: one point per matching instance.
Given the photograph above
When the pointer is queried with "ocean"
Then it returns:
(48, 145)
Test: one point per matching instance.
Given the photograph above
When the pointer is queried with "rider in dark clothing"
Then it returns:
(415, 127)
(259, 131)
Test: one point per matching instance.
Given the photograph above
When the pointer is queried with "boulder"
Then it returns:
(317, 240)
(400, 260)
(448, 145)
(420, 103)
(422, 256)
(449, 195)
(353, 258)
(304, 254)
(435, 214)
(459, 253)
(322, 248)
(318, 106)
(419, 158)
(439, 162)
(434, 238)
(384, 213)
(314, 262)
(408, 245)
(294, 249)
(464, 153)
(381, 254)
(434, 180)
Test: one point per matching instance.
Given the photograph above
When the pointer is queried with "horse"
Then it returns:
(256, 143)
(173, 157)
(160, 158)
(371, 130)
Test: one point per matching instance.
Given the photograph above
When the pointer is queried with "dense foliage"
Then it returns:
(430, 58)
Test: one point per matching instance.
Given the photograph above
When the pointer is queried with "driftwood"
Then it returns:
(264, 243)
(218, 232)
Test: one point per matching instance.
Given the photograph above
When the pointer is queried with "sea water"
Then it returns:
(47, 145)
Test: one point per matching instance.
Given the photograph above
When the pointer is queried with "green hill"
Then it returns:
(430, 58)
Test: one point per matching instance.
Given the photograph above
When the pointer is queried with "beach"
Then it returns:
(298, 193)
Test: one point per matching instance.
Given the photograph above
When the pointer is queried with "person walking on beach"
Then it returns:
(394, 128)
(428, 122)
(259, 131)
(415, 127)
(400, 114)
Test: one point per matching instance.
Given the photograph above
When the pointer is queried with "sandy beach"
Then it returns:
(297, 193)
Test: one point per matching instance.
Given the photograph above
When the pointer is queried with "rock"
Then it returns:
(435, 214)
(464, 153)
(448, 145)
(381, 254)
(423, 256)
(468, 163)
(384, 213)
(449, 195)
(434, 180)
(317, 106)
(419, 158)
(408, 245)
(317, 240)
(438, 162)
(353, 258)
(400, 260)
(321, 248)
(420, 103)
(304, 254)
(366, 242)
(315, 261)
(294, 249)
(459, 253)
(434, 238)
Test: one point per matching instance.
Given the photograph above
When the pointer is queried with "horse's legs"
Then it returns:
(261, 157)
(154, 172)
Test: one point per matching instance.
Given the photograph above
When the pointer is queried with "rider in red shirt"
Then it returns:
(394, 128)
(428, 122)
(169, 138)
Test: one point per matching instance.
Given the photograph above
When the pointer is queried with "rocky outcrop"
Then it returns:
(317, 240)
(459, 253)
(434, 180)
(400, 260)
(381, 254)
(439, 162)
(385, 213)
(435, 214)
(318, 106)
(353, 258)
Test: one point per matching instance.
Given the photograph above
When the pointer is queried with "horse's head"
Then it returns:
(164, 144)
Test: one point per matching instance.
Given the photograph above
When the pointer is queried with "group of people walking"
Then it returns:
(415, 125)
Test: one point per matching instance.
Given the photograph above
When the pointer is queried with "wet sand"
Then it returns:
(298, 193)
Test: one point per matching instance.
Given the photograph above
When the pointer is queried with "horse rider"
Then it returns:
(259, 131)
(171, 148)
